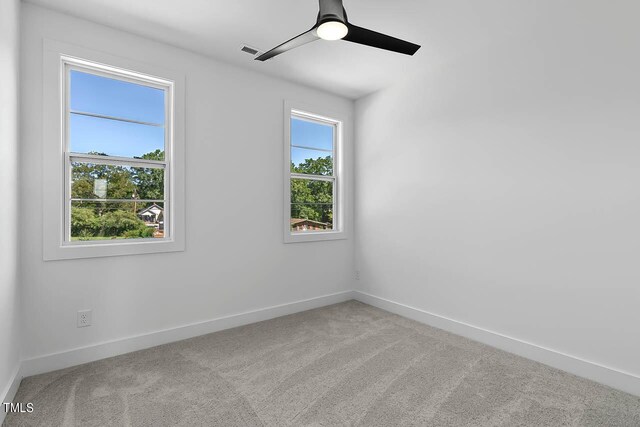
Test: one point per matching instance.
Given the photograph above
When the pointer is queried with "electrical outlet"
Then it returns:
(84, 318)
(357, 274)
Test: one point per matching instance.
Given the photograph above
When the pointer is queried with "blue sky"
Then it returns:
(116, 98)
(109, 97)
(309, 134)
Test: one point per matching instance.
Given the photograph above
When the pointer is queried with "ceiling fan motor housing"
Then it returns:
(331, 10)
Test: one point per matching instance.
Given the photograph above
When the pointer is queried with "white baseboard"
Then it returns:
(624, 381)
(10, 391)
(611, 377)
(78, 356)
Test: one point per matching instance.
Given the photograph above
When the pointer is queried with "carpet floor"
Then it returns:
(346, 364)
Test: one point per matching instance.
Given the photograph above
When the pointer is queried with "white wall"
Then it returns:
(235, 259)
(9, 290)
(499, 184)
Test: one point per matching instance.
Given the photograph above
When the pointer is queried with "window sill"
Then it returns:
(97, 250)
(314, 236)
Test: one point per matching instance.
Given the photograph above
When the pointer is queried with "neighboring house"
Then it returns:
(299, 224)
(152, 215)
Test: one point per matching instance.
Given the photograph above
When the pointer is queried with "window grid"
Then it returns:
(311, 177)
(71, 64)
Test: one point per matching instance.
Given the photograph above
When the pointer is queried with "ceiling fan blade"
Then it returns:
(297, 41)
(381, 41)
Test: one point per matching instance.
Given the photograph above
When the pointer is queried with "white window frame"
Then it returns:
(59, 60)
(315, 115)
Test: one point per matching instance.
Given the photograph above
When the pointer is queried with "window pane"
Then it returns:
(116, 98)
(311, 205)
(113, 138)
(301, 215)
(311, 161)
(116, 220)
(311, 134)
(95, 181)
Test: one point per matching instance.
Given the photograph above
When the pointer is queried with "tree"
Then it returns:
(119, 180)
(118, 222)
(312, 199)
(318, 166)
(150, 181)
(97, 215)
(84, 222)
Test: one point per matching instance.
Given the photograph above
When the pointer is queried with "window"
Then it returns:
(117, 161)
(118, 145)
(312, 184)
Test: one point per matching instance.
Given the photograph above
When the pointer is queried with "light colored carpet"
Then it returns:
(347, 364)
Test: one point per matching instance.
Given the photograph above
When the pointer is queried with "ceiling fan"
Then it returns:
(332, 24)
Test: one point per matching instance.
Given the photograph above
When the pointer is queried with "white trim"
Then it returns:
(53, 148)
(624, 381)
(611, 377)
(316, 114)
(108, 71)
(110, 160)
(69, 64)
(311, 177)
(9, 393)
(77, 356)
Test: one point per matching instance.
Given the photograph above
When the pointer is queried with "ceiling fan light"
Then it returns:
(332, 30)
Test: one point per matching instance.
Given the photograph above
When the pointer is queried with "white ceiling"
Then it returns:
(219, 28)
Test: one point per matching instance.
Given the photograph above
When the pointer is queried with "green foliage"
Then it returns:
(149, 181)
(312, 199)
(144, 232)
(116, 223)
(84, 222)
(99, 218)
(319, 166)
(122, 182)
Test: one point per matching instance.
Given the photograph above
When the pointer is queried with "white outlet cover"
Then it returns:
(84, 318)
